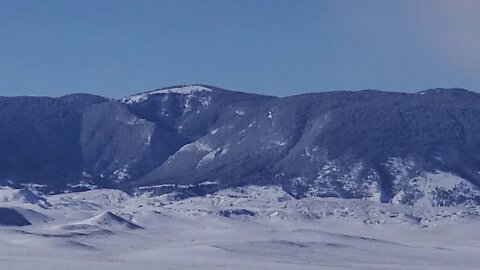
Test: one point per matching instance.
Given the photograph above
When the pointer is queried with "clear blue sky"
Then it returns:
(115, 48)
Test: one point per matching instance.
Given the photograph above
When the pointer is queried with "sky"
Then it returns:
(276, 47)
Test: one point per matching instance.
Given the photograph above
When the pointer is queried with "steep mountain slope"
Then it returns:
(39, 138)
(366, 144)
(196, 139)
(127, 139)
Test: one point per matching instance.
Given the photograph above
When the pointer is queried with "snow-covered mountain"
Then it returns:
(419, 148)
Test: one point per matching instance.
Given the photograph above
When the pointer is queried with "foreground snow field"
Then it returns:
(252, 227)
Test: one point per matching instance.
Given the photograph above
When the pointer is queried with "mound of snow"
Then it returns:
(9, 195)
(11, 217)
(33, 216)
(111, 221)
(91, 200)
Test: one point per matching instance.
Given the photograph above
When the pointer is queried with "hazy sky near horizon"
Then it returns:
(277, 47)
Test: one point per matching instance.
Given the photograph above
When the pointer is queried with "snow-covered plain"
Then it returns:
(242, 228)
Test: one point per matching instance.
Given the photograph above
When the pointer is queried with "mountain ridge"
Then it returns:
(348, 144)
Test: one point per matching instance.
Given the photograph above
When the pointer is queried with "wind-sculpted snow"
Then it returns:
(11, 217)
(399, 148)
(258, 227)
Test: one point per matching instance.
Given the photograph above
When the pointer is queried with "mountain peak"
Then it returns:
(446, 91)
(182, 90)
